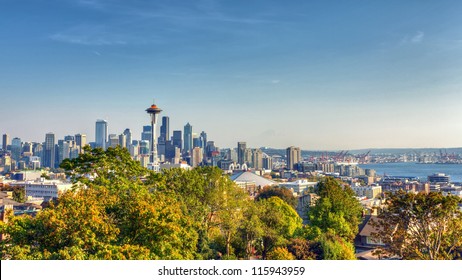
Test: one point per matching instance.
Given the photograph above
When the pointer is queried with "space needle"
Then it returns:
(153, 111)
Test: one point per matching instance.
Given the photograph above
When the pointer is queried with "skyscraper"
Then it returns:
(147, 133)
(165, 129)
(293, 156)
(80, 141)
(196, 157)
(177, 139)
(241, 147)
(188, 138)
(6, 141)
(16, 148)
(101, 134)
(49, 154)
(203, 139)
(128, 137)
(257, 159)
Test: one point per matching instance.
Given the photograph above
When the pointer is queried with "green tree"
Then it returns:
(107, 168)
(19, 195)
(420, 226)
(336, 211)
(212, 201)
(251, 228)
(283, 193)
(334, 247)
(280, 222)
(111, 214)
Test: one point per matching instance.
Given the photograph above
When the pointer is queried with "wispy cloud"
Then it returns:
(87, 40)
(416, 38)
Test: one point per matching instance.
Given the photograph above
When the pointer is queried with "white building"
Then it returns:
(43, 189)
(298, 186)
(368, 191)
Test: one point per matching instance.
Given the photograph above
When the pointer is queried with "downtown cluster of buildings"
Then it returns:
(35, 166)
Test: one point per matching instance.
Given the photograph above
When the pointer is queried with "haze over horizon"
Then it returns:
(321, 75)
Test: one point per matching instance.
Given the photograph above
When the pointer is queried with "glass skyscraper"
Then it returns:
(101, 134)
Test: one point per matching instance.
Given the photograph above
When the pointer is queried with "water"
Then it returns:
(416, 170)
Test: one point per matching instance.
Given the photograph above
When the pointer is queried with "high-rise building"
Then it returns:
(113, 141)
(196, 141)
(101, 135)
(16, 148)
(177, 139)
(210, 149)
(144, 147)
(80, 141)
(64, 150)
(257, 159)
(49, 151)
(241, 147)
(294, 156)
(134, 148)
(69, 138)
(188, 138)
(27, 148)
(146, 134)
(196, 157)
(128, 137)
(165, 130)
(6, 141)
(267, 162)
(203, 139)
(122, 140)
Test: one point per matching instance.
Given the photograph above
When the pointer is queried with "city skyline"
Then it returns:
(310, 74)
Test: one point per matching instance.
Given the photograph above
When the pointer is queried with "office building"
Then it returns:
(80, 141)
(177, 139)
(101, 134)
(49, 151)
(196, 157)
(6, 141)
(113, 141)
(128, 138)
(203, 139)
(241, 148)
(123, 140)
(16, 148)
(294, 156)
(257, 159)
(165, 130)
(188, 138)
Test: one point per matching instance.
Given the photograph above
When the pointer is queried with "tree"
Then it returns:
(280, 221)
(107, 168)
(283, 193)
(336, 211)
(111, 214)
(99, 223)
(420, 226)
(251, 229)
(301, 249)
(280, 253)
(19, 195)
(212, 201)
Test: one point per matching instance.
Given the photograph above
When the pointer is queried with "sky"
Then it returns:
(320, 75)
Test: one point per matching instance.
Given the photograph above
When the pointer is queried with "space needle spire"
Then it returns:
(153, 111)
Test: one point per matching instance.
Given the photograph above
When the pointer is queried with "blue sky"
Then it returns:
(314, 74)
